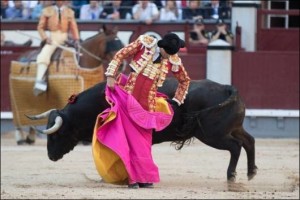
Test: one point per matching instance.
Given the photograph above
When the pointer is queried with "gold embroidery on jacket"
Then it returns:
(156, 72)
(148, 41)
(174, 59)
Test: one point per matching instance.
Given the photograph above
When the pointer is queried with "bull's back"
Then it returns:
(202, 93)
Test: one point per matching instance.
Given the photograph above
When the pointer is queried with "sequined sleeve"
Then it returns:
(183, 85)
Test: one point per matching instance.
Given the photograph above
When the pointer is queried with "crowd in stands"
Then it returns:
(163, 10)
(145, 11)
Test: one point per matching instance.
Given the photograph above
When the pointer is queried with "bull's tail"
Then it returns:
(185, 133)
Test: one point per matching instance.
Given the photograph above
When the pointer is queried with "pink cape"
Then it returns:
(129, 134)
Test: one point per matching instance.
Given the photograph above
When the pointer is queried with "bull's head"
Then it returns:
(60, 134)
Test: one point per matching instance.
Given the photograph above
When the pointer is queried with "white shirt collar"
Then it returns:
(156, 54)
(61, 8)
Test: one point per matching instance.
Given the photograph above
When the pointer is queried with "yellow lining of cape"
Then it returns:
(162, 105)
(108, 164)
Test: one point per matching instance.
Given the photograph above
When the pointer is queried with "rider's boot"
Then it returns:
(40, 84)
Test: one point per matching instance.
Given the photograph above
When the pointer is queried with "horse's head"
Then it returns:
(100, 48)
(113, 43)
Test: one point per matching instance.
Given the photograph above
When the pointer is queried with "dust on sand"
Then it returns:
(195, 172)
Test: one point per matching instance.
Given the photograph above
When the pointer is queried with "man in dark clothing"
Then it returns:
(222, 32)
(193, 11)
(217, 9)
(4, 6)
(117, 10)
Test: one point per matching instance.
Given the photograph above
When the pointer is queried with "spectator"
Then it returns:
(114, 11)
(76, 6)
(216, 10)
(204, 3)
(193, 11)
(126, 6)
(199, 35)
(222, 32)
(4, 6)
(158, 4)
(225, 3)
(15, 11)
(37, 10)
(170, 12)
(28, 6)
(179, 3)
(145, 11)
(182, 3)
(91, 11)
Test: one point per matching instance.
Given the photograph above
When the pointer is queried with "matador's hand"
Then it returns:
(111, 81)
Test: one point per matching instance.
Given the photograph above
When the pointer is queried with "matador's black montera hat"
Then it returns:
(171, 43)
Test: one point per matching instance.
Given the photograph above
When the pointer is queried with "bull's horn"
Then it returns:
(40, 116)
(55, 127)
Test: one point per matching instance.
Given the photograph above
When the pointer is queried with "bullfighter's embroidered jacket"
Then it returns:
(50, 20)
(142, 51)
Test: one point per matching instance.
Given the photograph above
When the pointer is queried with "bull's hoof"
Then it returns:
(252, 174)
(29, 141)
(231, 178)
(21, 142)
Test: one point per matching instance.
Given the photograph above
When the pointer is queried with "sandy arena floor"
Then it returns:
(195, 172)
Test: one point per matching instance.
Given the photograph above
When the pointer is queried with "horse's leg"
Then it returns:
(19, 135)
(30, 139)
(249, 146)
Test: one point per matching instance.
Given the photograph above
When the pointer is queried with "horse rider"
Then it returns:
(59, 20)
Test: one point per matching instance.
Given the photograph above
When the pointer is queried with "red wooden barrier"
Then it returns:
(267, 80)
(7, 55)
(276, 39)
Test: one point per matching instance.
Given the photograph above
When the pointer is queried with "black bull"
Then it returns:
(213, 113)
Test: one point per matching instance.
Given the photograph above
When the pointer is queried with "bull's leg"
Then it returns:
(231, 144)
(30, 139)
(249, 146)
(234, 147)
(20, 136)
